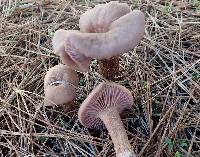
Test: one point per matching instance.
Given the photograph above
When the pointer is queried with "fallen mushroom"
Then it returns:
(98, 20)
(60, 84)
(75, 61)
(103, 106)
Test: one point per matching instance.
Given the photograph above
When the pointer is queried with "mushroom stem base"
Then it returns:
(109, 68)
(115, 128)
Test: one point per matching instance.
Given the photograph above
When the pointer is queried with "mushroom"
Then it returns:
(105, 35)
(123, 35)
(60, 84)
(75, 61)
(103, 107)
(99, 20)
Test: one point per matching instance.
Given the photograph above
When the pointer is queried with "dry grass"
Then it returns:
(163, 73)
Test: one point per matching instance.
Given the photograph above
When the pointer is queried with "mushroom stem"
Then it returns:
(114, 125)
(109, 68)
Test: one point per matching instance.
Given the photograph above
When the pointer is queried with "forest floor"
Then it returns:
(162, 72)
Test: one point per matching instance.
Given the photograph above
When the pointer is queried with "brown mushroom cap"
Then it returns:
(102, 98)
(69, 54)
(59, 85)
(123, 35)
(99, 19)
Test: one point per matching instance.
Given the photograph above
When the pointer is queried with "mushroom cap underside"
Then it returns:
(105, 96)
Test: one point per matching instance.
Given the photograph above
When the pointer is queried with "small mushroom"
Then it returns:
(64, 49)
(60, 84)
(103, 107)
